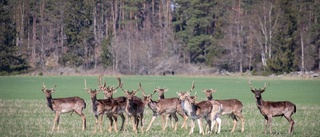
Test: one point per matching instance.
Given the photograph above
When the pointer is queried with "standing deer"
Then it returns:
(208, 110)
(231, 107)
(108, 92)
(102, 106)
(64, 105)
(161, 92)
(134, 107)
(163, 107)
(270, 109)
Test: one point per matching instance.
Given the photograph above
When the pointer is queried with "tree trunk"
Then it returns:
(302, 52)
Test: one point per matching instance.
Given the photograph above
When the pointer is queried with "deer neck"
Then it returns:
(187, 108)
(152, 105)
(94, 105)
(49, 102)
(260, 102)
(161, 97)
(210, 97)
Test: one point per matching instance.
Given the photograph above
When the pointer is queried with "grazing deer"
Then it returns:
(161, 92)
(134, 107)
(64, 105)
(102, 106)
(163, 107)
(208, 110)
(231, 107)
(108, 92)
(273, 109)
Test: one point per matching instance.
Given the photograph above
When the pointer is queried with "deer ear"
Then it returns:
(204, 90)
(253, 91)
(262, 90)
(114, 91)
(166, 90)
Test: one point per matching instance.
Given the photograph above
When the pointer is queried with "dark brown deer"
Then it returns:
(231, 107)
(64, 105)
(134, 107)
(108, 92)
(101, 107)
(208, 110)
(161, 92)
(163, 107)
(270, 109)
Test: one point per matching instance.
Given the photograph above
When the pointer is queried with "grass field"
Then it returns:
(23, 109)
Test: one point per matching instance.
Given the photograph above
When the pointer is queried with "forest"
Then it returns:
(156, 36)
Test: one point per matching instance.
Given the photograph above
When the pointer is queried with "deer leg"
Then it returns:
(191, 127)
(235, 121)
(141, 123)
(115, 117)
(100, 125)
(152, 119)
(83, 119)
(123, 121)
(166, 121)
(269, 123)
(134, 120)
(163, 120)
(218, 125)
(239, 115)
(291, 123)
(111, 123)
(200, 126)
(95, 127)
(265, 124)
(56, 119)
(175, 121)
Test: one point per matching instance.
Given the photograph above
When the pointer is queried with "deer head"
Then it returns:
(160, 91)
(146, 98)
(130, 94)
(108, 91)
(209, 93)
(257, 92)
(183, 95)
(46, 91)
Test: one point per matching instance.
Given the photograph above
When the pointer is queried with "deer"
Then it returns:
(101, 107)
(231, 107)
(209, 110)
(64, 105)
(270, 109)
(134, 107)
(163, 107)
(108, 92)
(161, 92)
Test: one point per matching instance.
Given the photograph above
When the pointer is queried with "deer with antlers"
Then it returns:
(270, 109)
(209, 110)
(101, 107)
(108, 92)
(134, 107)
(161, 92)
(163, 107)
(64, 105)
(231, 107)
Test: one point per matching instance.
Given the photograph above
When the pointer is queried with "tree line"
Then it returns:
(138, 36)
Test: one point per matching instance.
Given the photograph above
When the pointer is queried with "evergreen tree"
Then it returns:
(10, 62)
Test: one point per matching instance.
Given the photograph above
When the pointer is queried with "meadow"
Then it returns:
(23, 109)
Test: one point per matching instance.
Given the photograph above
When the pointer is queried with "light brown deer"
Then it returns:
(209, 110)
(134, 107)
(270, 109)
(231, 107)
(161, 92)
(101, 107)
(64, 105)
(163, 107)
(108, 92)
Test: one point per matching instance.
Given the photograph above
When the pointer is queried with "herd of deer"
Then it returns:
(185, 105)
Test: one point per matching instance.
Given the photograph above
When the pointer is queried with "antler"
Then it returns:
(53, 87)
(85, 85)
(192, 87)
(119, 81)
(44, 86)
(99, 82)
(265, 85)
(250, 85)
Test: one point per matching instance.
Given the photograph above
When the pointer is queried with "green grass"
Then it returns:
(23, 110)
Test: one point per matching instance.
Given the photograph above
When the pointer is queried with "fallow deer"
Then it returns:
(209, 110)
(161, 92)
(101, 107)
(64, 105)
(231, 107)
(108, 92)
(270, 109)
(163, 107)
(134, 107)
